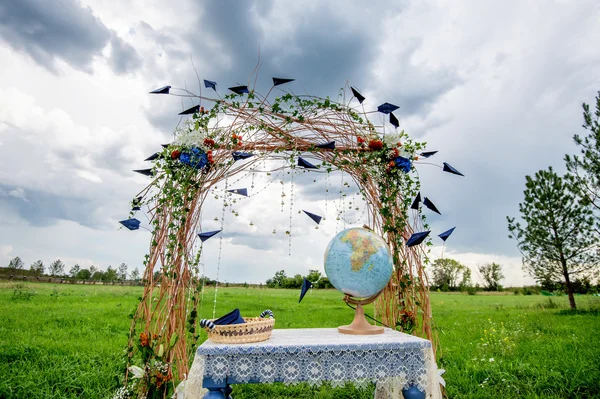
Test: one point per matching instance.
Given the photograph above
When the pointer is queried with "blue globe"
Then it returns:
(358, 262)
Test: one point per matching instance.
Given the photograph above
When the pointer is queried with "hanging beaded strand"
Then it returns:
(291, 210)
(338, 217)
(327, 192)
(220, 250)
(282, 192)
(342, 202)
(203, 276)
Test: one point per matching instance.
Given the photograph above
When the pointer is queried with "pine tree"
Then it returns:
(557, 238)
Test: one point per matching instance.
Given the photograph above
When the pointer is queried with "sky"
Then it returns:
(495, 87)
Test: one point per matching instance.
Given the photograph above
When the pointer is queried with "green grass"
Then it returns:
(66, 341)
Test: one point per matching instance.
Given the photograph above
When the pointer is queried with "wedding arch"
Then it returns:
(225, 135)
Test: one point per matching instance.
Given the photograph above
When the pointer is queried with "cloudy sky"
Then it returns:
(495, 86)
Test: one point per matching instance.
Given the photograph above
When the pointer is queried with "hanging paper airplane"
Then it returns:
(358, 96)
(386, 108)
(280, 81)
(327, 146)
(427, 154)
(237, 155)
(162, 90)
(205, 236)
(427, 202)
(211, 84)
(306, 285)
(240, 191)
(316, 218)
(394, 121)
(444, 236)
(145, 172)
(448, 168)
(194, 110)
(417, 238)
(152, 157)
(305, 164)
(239, 89)
(415, 204)
(131, 224)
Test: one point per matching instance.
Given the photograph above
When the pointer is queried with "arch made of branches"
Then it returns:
(235, 133)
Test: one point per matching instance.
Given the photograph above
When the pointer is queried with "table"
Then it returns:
(393, 360)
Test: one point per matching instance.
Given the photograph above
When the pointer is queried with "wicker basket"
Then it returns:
(255, 329)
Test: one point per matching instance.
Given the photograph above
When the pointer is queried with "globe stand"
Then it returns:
(360, 325)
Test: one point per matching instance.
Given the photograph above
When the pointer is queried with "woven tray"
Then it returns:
(255, 329)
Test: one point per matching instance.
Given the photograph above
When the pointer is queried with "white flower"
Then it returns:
(391, 139)
(136, 371)
(440, 372)
(186, 135)
(179, 391)
(121, 393)
(491, 359)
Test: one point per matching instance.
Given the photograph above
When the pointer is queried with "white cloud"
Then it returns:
(5, 251)
(18, 193)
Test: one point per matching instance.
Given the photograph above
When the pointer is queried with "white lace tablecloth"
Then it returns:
(393, 360)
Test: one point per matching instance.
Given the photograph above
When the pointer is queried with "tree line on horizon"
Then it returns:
(57, 269)
(281, 280)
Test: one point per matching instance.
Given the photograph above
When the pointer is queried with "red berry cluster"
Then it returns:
(376, 145)
(236, 139)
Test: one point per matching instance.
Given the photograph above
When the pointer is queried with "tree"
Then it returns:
(98, 275)
(15, 264)
(122, 274)
(313, 276)
(278, 281)
(324, 283)
(37, 268)
(584, 170)
(448, 272)
(57, 268)
(466, 282)
(491, 274)
(135, 275)
(557, 238)
(110, 274)
(93, 269)
(83, 274)
(293, 282)
(74, 270)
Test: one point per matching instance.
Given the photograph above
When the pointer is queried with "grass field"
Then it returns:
(66, 341)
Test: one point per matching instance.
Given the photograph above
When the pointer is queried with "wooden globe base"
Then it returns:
(360, 325)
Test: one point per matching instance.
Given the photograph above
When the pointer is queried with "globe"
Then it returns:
(358, 262)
